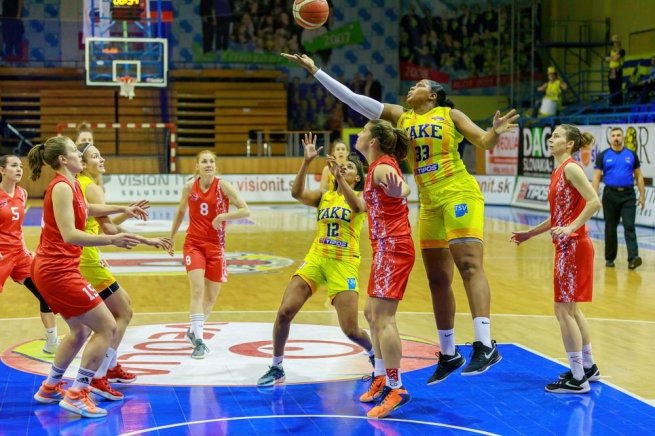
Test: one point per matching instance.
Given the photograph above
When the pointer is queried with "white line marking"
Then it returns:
(240, 418)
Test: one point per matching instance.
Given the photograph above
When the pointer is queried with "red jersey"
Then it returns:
(565, 201)
(387, 216)
(12, 214)
(203, 208)
(51, 244)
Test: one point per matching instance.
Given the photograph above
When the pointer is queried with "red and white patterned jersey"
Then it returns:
(565, 201)
(12, 214)
(387, 216)
(203, 208)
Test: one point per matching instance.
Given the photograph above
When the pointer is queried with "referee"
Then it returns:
(619, 167)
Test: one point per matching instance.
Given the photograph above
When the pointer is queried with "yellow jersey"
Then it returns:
(554, 91)
(92, 225)
(433, 154)
(338, 228)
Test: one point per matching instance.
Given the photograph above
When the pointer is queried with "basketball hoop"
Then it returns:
(127, 85)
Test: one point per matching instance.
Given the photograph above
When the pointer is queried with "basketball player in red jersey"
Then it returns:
(573, 201)
(385, 194)
(56, 273)
(15, 259)
(208, 199)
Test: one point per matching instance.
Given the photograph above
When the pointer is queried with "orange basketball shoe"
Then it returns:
(102, 388)
(50, 394)
(119, 375)
(375, 390)
(78, 402)
(390, 400)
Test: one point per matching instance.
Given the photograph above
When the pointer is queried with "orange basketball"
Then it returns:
(310, 14)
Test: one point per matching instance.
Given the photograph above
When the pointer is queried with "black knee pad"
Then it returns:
(43, 306)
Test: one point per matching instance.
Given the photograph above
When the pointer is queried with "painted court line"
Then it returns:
(241, 418)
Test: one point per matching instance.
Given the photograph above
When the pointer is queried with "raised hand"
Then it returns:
(303, 60)
(393, 186)
(309, 142)
(125, 240)
(506, 122)
(334, 167)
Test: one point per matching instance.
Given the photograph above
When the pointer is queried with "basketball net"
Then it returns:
(127, 85)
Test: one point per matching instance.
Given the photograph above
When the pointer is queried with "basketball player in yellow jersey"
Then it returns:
(451, 218)
(333, 259)
(96, 272)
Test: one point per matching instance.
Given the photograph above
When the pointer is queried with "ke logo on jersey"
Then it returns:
(425, 131)
(461, 210)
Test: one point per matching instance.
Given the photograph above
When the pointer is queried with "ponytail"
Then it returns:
(47, 153)
(579, 139)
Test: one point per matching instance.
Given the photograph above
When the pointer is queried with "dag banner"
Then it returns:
(534, 156)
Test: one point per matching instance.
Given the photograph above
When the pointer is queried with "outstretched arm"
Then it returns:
(366, 106)
(479, 137)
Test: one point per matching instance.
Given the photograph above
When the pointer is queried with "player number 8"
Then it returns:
(204, 209)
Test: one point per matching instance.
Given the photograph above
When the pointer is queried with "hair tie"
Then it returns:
(42, 146)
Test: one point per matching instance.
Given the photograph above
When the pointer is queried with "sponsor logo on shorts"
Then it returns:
(352, 283)
(335, 242)
(427, 169)
(461, 210)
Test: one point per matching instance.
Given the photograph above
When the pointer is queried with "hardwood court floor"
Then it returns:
(622, 315)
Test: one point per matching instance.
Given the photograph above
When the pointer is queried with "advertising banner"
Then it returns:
(531, 192)
(534, 156)
(504, 157)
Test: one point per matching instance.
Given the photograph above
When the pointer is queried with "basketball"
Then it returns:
(310, 14)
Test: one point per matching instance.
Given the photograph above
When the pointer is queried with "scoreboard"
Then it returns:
(127, 10)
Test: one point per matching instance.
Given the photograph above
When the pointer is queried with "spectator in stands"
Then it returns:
(620, 168)
(372, 87)
(615, 78)
(647, 85)
(553, 88)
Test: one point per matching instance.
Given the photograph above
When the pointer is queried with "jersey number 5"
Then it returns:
(15, 216)
(422, 152)
(333, 230)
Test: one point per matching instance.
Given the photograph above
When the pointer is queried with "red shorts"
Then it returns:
(63, 287)
(393, 260)
(208, 256)
(16, 265)
(574, 270)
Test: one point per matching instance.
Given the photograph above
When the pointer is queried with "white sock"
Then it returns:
(104, 366)
(587, 357)
(482, 328)
(55, 375)
(197, 323)
(575, 361)
(114, 360)
(51, 335)
(394, 380)
(84, 377)
(277, 360)
(379, 368)
(206, 318)
(447, 341)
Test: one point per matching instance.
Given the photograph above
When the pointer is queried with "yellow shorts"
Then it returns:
(449, 212)
(338, 275)
(94, 271)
